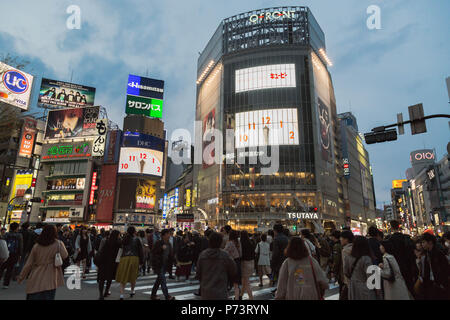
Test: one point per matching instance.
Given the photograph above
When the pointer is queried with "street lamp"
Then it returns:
(26, 196)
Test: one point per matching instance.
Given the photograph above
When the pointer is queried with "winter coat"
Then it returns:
(215, 269)
(296, 280)
(357, 287)
(17, 239)
(346, 251)
(40, 271)
(157, 256)
(436, 273)
(278, 245)
(108, 266)
(337, 262)
(77, 246)
(397, 289)
(264, 253)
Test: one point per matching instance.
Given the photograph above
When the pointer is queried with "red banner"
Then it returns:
(28, 135)
(106, 193)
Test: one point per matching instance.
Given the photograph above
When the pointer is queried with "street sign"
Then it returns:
(416, 116)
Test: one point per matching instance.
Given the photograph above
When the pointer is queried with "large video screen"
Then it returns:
(72, 123)
(141, 161)
(265, 77)
(65, 94)
(266, 127)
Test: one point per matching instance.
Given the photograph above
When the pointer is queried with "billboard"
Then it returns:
(209, 124)
(145, 194)
(325, 130)
(65, 94)
(27, 140)
(72, 123)
(420, 156)
(15, 86)
(105, 202)
(265, 77)
(266, 127)
(147, 106)
(141, 140)
(397, 184)
(98, 149)
(140, 161)
(66, 151)
(112, 146)
(145, 96)
(22, 181)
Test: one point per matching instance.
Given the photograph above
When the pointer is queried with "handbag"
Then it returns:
(119, 255)
(391, 277)
(58, 259)
(319, 292)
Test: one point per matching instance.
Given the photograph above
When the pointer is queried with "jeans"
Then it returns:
(161, 280)
(43, 295)
(9, 266)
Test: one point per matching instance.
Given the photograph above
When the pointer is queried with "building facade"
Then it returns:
(264, 91)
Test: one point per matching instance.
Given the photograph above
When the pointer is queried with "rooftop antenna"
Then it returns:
(146, 72)
(71, 76)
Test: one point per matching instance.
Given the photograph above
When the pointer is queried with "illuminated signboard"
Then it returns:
(188, 197)
(98, 150)
(397, 184)
(346, 167)
(145, 194)
(65, 94)
(426, 155)
(15, 86)
(140, 161)
(150, 107)
(268, 16)
(66, 151)
(28, 136)
(165, 206)
(93, 188)
(266, 127)
(265, 77)
(141, 140)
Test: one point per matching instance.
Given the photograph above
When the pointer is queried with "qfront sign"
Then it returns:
(269, 16)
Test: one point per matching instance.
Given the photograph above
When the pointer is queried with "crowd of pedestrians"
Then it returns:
(299, 267)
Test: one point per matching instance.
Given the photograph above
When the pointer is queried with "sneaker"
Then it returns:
(170, 298)
(154, 298)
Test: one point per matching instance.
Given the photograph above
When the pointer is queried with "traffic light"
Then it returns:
(380, 136)
(294, 228)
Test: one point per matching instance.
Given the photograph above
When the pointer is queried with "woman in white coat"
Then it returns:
(263, 250)
(393, 282)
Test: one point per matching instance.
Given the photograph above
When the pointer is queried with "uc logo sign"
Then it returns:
(15, 81)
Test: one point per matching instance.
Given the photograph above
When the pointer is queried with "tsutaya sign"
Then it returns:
(303, 215)
(275, 15)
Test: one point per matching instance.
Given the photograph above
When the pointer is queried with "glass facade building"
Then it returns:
(264, 85)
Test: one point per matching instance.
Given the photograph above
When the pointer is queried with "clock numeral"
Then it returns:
(132, 158)
(291, 134)
(124, 165)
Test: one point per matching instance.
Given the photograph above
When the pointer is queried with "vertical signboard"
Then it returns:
(98, 149)
(93, 188)
(105, 203)
(28, 137)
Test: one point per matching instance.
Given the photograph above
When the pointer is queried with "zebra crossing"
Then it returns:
(184, 290)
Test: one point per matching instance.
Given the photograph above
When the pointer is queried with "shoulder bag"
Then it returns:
(316, 284)
(58, 259)
(391, 277)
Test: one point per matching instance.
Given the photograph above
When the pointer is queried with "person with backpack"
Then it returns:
(393, 283)
(14, 241)
(300, 276)
(355, 268)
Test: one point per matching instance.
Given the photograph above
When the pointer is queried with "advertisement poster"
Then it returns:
(105, 195)
(72, 123)
(141, 140)
(28, 136)
(140, 161)
(144, 96)
(15, 87)
(325, 130)
(98, 149)
(265, 77)
(22, 181)
(149, 107)
(65, 94)
(209, 124)
(145, 194)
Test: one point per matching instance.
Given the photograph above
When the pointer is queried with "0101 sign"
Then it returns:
(141, 161)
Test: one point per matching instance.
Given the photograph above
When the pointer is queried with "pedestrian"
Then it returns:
(215, 269)
(149, 235)
(346, 239)
(310, 241)
(131, 258)
(226, 235)
(324, 251)
(419, 252)
(355, 268)
(2, 233)
(436, 270)
(92, 232)
(66, 240)
(270, 236)
(28, 243)
(262, 251)
(279, 243)
(14, 241)
(234, 249)
(145, 250)
(172, 261)
(106, 263)
(184, 258)
(336, 259)
(161, 256)
(393, 282)
(196, 248)
(42, 270)
(83, 249)
(247, 264)
(300, 276)
(374, 245)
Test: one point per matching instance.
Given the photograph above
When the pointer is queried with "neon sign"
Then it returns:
(68, 151)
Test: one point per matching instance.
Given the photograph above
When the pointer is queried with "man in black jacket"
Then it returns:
(14, 241)
(404, 254)
(279, 243)
(374, 246)
(162, 257)
(436, 271)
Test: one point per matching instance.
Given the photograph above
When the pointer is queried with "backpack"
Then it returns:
(13, 244)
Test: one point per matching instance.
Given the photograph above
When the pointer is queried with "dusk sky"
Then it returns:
(376, 73)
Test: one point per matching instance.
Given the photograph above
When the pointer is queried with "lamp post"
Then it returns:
(26, 196)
